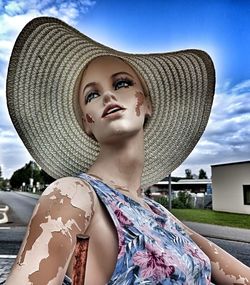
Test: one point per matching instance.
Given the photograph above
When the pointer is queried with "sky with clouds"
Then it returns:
(221, 27)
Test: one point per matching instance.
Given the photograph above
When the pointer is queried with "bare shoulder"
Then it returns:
(73, 190)
(64, 210)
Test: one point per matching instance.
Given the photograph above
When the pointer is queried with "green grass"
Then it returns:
(213, 217)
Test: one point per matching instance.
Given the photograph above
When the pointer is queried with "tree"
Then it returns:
(183, 201)
(173, 178)
(189, 174)
(163, 201)
(4, 184)
(46, 178)
(30, 170)
(202, 174)
(1, 179)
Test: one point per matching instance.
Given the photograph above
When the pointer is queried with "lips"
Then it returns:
(112, 108)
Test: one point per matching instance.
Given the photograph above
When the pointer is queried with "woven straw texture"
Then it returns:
(46, 61)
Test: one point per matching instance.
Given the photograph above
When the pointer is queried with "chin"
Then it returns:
(118, 134)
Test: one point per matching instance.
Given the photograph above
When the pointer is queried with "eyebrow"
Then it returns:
(112, 76)
(89, 85)
(120, 73)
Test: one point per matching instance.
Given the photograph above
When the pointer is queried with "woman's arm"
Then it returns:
(226, 270)
(64, 210)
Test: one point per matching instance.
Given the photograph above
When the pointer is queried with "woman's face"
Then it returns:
(112, 100)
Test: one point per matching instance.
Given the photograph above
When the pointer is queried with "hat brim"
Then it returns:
(45, 64)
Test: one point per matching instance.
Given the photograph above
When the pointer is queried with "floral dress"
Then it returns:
(153, 247)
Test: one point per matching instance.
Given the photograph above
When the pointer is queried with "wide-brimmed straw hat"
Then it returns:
(45, 66)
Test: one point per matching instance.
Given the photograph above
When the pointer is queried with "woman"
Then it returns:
(128, 120)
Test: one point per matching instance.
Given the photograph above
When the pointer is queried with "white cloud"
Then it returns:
(5, 47)
(241, 87)
(17, 7)
(6, 136)
(14, 7)
(18, 13)
(227, 136)
(13, 154)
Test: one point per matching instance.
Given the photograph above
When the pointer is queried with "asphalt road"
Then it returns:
(240, 250)
(21, 207)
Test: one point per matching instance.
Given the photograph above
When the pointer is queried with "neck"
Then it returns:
(121, 164)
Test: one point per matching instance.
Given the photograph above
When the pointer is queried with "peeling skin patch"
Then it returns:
(225, 268)
(49, 264)
(71, 191)
(140, 100)
(40, 249)
(114, 185)
(235, 279)
(217, 256)
(28, 232)
(89, 119)
(60, 275)
(53, 197)
(83, 184)
(54, 228)
(63, 211)
(91, 196)
(49, 208)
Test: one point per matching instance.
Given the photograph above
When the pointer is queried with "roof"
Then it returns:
(187, 182)
(231, 163)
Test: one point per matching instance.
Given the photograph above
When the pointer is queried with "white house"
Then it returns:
(192, 185)
(231, 187)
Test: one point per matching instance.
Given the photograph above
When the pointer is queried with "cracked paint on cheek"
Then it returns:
(140, 100)
(89, 119)
(55, 232)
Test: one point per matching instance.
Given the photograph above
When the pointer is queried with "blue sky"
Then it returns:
(222, 28)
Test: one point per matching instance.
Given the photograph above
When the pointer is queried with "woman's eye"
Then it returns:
(90, 96)
(122, 83)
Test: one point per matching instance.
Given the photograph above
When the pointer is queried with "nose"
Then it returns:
(108, 96)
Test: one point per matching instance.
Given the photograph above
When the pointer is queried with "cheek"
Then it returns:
(89, 119)
(139, 102)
